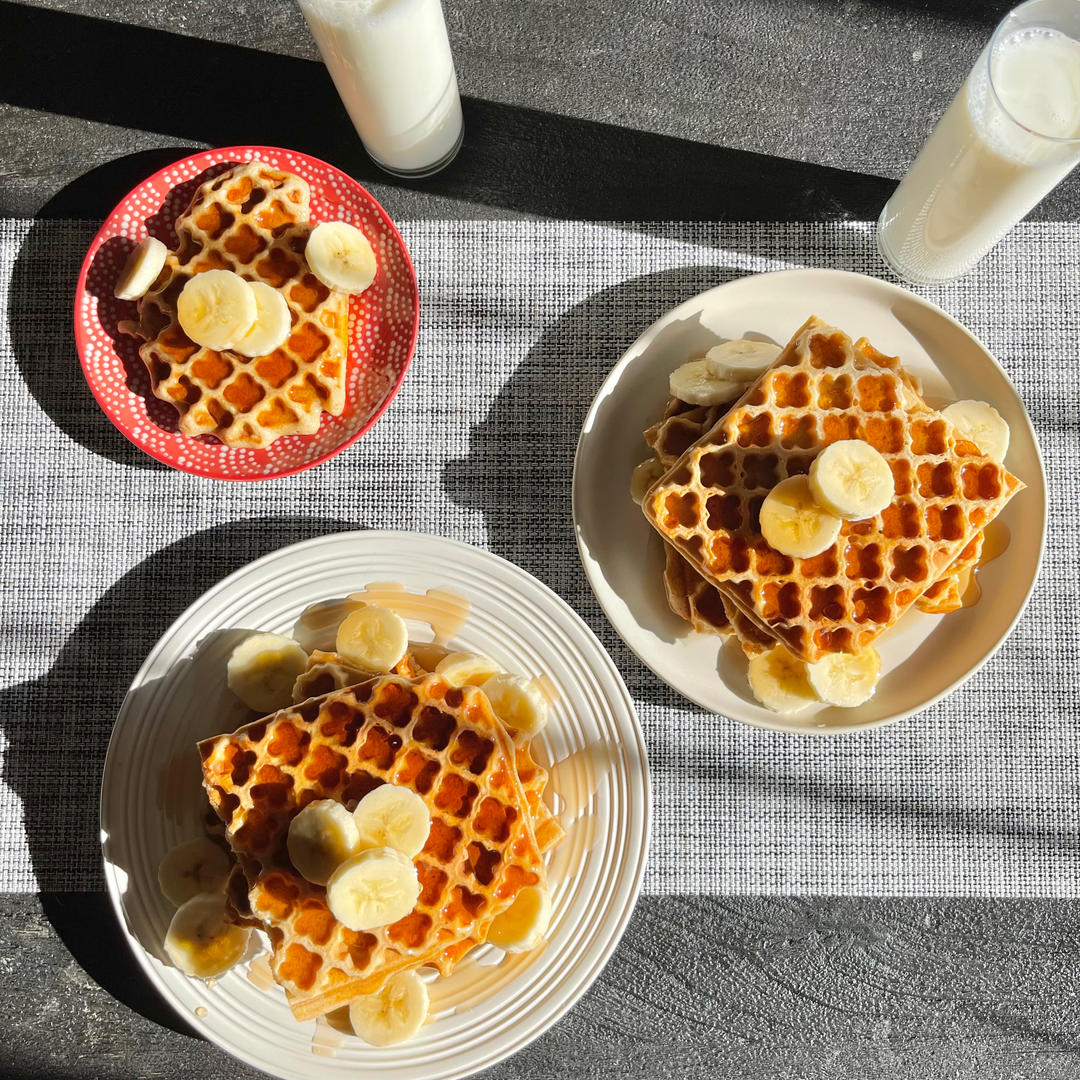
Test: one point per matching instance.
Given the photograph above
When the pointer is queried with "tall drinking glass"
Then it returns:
(1009, 136)
(391, 63)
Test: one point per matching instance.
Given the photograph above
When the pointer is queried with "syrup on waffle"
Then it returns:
(446, 745)
(328, 671)
(253, 220)
(699, 602)
(823, 388)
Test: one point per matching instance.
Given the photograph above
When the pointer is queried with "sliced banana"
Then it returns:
(193, 867)
(644, 476)
(779, 681)
(200, 940)
(394, 817)
(516, 702)
(852, 480)
(695, 384)
(141, 269)
(321, 837)
(466, 668)
(216, 309)
(373, 888)
(794, 523)
(523, 925)
(341, 257)
(372, 637)
(845, 679)
(272, 325)
(741, 360)
(262, 670)
(393, 1014)
(981, 424)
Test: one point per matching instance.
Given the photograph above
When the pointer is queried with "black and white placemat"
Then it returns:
(521, 321)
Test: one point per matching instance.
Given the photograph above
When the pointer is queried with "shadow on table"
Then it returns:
(41, 306)
(525, 498)
(56, 732)
(516, 159)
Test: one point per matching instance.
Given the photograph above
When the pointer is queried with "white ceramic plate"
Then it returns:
(925, 656)
(492, 1005)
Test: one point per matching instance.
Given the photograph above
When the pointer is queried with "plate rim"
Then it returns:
(693, 303)
(100, 237)
(601, 657)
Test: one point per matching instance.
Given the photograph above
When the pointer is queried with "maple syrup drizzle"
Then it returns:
(996, 539)
(330, 1032)
(258, 973)
(445, 612)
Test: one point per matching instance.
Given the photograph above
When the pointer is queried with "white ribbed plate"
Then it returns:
(924, 657)
(491, 1006)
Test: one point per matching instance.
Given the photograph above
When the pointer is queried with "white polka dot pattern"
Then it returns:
(383, 321)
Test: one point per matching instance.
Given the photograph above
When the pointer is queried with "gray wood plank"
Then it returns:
(736, 987)
(855, 86)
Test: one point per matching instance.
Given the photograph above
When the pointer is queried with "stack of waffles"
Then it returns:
(484, 792)
(253, 220)
(719, 462)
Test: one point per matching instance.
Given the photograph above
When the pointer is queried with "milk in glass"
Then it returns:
(391, 63)
(1010, 135)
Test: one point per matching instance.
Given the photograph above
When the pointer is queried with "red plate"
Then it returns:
(383, 321)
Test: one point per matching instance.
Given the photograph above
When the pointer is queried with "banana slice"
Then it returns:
(794, 524)
(272, 325)
(193, 867)
(742, 360)
(466, 669)
(216, 309)
(393, 817)
(374, 888)
(321, 837)
(780, 682)
(522, 926)
(262, 670)
(373, 638)
(851, 479)
(695, 384)
(394, 1014)
(200, 941)
(982, 424)
(516, 702)
(141, 269)
(845, 679)
(644, 476)
(341, 257)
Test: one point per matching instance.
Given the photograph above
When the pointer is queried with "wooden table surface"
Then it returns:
(640, 110)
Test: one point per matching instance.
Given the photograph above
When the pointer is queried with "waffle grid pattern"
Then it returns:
(252, 220)
(821, 389)
(442, 743)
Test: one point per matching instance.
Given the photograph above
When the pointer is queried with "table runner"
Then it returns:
(521, 321)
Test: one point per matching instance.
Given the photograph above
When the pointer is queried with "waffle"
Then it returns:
(327, 672)
(443, 743)
(823, 388)
(691, 597)
(252, 219)
(947, 593)
(680, 427)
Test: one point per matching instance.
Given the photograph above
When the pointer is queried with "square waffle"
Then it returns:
(253, 220)
(328, 671)
(443, 743)
(701, 603)
(823, 388)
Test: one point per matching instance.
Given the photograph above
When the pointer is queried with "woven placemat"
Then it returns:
(521, 321)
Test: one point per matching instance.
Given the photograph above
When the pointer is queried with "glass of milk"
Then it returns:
(391, 63)
(1009, 136)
